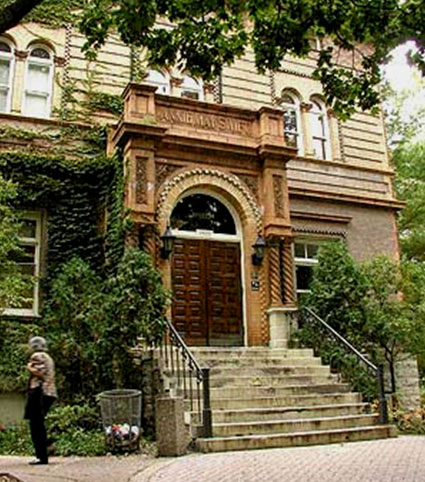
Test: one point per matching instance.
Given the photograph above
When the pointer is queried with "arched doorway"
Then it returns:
(206, 271)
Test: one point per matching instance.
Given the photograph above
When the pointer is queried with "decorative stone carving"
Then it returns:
(274, 273)
(141, 181)
(60, 61)
(278, 196)
(162, 171)
(306, 106)
(21, 54)
(287, 272)
(251, 181)
(213, 177)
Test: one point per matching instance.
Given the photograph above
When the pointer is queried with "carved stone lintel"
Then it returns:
(21, 54)
(278, 196)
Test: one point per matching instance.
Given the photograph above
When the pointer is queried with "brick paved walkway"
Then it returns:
(391, 460)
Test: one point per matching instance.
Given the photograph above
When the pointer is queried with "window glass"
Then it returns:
(305, 260)
(28, 260)
(291, 120)
(202, 212)
(191, 88)
(6, 62)
(38, 83)
(4, 47)
(158, 79)
(319, 130)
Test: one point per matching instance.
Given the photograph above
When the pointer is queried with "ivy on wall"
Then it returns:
(55, 13)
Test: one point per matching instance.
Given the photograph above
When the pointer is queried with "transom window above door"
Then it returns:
(201, 212)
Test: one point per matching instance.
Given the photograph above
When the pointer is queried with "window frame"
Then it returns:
(11, 57)
(295, 107)
(158, 85)
(324, 139)
(188, 88)
(36, 242)
(49, 93)
(306, 261)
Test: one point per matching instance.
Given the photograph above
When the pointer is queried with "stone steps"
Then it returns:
(263, 398)
(291, 426)
(217, 381)
(284, 413)
(284, 401)
(224, 444)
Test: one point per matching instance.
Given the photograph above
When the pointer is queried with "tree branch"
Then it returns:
(12, 14)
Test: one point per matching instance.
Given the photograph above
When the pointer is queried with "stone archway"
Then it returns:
(239, 197)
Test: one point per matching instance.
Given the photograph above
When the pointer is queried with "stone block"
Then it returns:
(171, 433)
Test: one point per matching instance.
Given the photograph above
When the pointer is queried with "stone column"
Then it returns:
(287, 271)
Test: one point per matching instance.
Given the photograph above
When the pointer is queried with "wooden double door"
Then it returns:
(207, 292)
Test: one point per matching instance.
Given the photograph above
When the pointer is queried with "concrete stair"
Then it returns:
(264, 398)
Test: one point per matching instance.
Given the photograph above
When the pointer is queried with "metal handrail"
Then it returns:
(181, 362)
(377, 370)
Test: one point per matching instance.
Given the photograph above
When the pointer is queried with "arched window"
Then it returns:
(6, 74)
(319, 129)
(292, 120)
(158, 79)
(38, 82)
(191, 88)
(200, 212)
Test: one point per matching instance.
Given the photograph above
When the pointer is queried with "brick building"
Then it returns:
(250, 173)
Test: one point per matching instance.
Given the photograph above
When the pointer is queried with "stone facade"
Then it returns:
(235, 146)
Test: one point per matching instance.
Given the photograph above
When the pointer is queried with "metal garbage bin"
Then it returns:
(121, 412)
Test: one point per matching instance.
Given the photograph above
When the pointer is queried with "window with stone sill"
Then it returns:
(191, 88)
(28, 262)
(319, 129)
(292, 121)
(159, 80)
(6, 74)
(38, 82)
(305, 258)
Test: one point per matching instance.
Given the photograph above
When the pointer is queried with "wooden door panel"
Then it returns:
(224, 293)
(207, 292)
(188, 291)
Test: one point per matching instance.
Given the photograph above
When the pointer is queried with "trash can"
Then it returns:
(121, 412)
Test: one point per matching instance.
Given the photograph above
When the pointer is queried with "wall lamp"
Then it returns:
(167, 240)
(259, 250)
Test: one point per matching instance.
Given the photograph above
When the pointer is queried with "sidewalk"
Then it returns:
(77, 469)
(391, 460)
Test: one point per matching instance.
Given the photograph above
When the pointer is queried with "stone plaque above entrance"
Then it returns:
(203, 120)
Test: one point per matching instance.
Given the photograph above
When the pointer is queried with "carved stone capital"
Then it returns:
(59, 61)
(306, 106)
(21, 54)
(209, 88)
(176, 81)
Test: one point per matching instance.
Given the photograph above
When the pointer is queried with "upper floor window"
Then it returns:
(38, 82)
(319, 129)
(28, 262)
(305, 260)
(158, 79)
(191, 88)
(6, 74)
(291, 120)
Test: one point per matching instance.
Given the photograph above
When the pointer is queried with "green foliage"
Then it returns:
(55, 13)
(208, 35)
(106, 102)
(12, 282)
(363, 303)
(76, 430)
(15, 440)
(14, 353)
(93, 323)
(136, 301)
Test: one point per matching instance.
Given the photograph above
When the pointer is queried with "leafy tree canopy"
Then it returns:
(204, 35)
